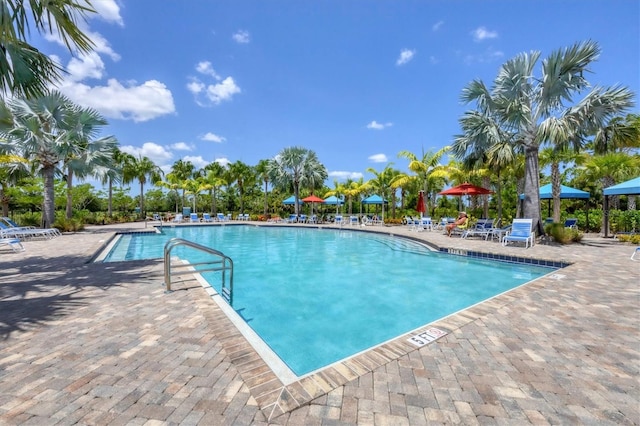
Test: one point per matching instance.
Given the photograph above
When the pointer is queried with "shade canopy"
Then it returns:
(333, 200)
(374, 199)
(466, 189)
(565, 192)
(630, 187)
(291, 200)
(313, 199)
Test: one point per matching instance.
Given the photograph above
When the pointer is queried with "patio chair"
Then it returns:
(26, 233)
(634, 253)
(353, 220)
(12, 225)
(193, 218)
(206, 217)
(482, 228)
(178, 219)
(246, 217)
(14, 243)
(571, 223)
(338, 220)
(424, 224)
(220, 217)
(520, 232)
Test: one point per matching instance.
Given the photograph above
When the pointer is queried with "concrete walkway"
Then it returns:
(94, 343)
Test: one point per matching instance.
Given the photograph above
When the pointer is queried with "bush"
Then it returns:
(68, 225)
(563, 235)
(633, 238)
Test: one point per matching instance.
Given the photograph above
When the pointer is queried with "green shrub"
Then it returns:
(68, 225)
(632, 238)
(561, 234)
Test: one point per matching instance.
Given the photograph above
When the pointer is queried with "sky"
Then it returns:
(355, 81)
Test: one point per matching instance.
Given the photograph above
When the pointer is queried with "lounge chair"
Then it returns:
(482, 228)
(338, 220)
(634, 253)
(498, 233)
(246, 217)
(12, 225)
(571, 223)
(178, 218)
(25, 233)
(193, 218)
(293, 218)
(520, 232)
(424, 224)
(353, 221)
(14, 243)
(221, 217)
(206, 217)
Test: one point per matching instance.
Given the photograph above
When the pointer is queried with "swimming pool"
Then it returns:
(316, 296)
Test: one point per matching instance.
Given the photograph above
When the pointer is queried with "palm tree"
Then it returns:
(618, 134)
(428, 171)
(262, 169)
(527, 111)
(39, 130)
(244, 176)
(111, 173)
(297, 167)
(140, 168)
(553, 157)
(25, 71)
(382, 183)
(182, 171)
(213, 179)
(88, 154)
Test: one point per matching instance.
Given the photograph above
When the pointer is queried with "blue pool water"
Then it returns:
(316, 296)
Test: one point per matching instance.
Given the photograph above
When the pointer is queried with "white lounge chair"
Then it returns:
(206, 217)
(179, 218)
(521, 231)
(193, 218)
(14, 243)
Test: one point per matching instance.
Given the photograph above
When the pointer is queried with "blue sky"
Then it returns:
(355, 81)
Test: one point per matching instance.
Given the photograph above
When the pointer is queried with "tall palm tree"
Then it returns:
(530, 111)
(111, 173)
(24, 70)
(88, 153)
(182, 171)
(213, 179)
(262, 169)
(297, 167)
(620, 133)
(554, 157)
(40, 130)
(244, 177)
(141, 168)
(382, 183)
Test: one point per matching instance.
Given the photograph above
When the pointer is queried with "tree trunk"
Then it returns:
(4, 200)
(555, 190)
(531, 202)
(485, 198)
(266, 198)
(69, 194)
(142, 199)
(48, 205)
(110, 201)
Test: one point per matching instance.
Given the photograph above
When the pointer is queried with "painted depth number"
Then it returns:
(427, 336)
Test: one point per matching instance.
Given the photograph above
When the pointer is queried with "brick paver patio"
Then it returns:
(95, 343)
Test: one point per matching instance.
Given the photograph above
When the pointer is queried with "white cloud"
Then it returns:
(223, 161)
(197, 161)
(378, 158)
(214, 93)
(242, 37)
(378, 126)
(405, 56)
(85, 66)
(481, 34)
(181, 146)
(340, 175)
(433, 60)
(222, 91)
(206, 68)
(212, 137)
(437, 26)
(108, 10)
(143, 102)
(156, 153)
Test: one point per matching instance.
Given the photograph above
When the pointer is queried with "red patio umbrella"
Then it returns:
(420, 207)
(466, 189)
(312, 199)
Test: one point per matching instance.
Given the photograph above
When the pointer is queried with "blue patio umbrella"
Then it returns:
(376, 199)
(291, 200)
(334, 201)
(630, 187)
(566, 192)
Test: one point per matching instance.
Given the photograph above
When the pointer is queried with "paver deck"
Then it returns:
(95, 343)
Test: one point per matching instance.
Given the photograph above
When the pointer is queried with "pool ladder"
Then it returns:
(219, 263)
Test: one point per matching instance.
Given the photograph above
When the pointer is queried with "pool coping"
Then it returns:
(276, 398)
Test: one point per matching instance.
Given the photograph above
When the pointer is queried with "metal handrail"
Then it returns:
(222, 263)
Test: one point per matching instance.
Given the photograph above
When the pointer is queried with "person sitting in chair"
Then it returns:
(461, 221)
